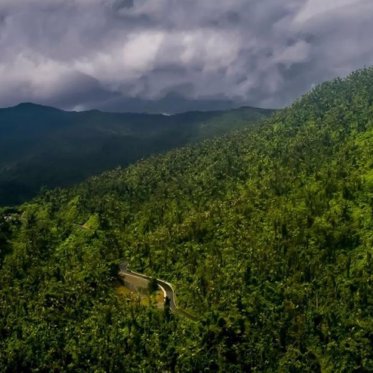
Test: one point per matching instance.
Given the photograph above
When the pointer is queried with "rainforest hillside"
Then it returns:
(45, 147)
(266, 235)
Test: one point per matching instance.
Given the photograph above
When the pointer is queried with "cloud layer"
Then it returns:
(132, 54)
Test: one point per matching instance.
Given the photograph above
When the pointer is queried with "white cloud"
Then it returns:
(141, 50)
(314, 8)
(292, 54)
(40, 74)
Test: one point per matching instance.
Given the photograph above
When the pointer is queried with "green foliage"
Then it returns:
(153, 285)
(265, 233)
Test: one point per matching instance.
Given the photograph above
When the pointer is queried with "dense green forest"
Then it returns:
(266, 234)
(46, 147)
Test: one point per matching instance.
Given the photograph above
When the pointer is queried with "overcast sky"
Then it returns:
(170, 55)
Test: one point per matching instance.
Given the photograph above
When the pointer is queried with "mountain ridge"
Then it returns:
(266, 234)
(37, 141)
(31, 105)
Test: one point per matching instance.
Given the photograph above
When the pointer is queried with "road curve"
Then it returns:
(166, 287)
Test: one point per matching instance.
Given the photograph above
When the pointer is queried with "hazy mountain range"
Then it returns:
(46, 147)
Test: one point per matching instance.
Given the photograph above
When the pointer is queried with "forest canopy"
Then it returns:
(266, 234)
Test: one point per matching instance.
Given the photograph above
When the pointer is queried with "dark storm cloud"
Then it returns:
(167, 55)
(120, 4)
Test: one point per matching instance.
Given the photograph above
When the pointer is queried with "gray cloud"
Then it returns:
(120, 4)
(147, 54)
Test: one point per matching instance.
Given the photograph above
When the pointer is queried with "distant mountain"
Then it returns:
(42, 146)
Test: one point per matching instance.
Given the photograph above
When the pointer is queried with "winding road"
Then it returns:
(136, 281)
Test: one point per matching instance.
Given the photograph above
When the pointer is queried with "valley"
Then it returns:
(43, 147)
